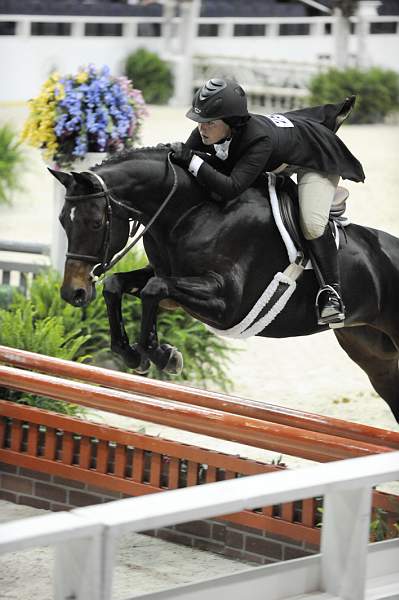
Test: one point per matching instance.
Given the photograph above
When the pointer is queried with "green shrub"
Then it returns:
(205, 355)
(20, 327)
(7, 293)
(377, 91)
(151, 75)
(12, 160)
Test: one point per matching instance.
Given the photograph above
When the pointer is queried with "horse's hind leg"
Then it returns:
(376, 353)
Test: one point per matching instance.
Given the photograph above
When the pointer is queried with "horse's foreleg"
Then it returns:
(165, 357)
(198, 294)
(376, 353)
(114, 288)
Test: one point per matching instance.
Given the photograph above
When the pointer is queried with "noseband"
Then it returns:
(102, 264)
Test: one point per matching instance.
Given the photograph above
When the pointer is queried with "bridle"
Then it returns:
(103, 264)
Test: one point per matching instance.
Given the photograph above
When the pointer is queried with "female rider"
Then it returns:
(244, 145)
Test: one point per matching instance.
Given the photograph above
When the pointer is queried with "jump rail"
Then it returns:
(347, 567)
(210, 400)
(216, 423)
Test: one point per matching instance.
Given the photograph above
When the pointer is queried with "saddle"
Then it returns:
(288, 206)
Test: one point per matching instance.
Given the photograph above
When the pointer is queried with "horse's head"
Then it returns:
(95, 232)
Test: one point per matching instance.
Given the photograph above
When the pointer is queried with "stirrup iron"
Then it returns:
(337, 319)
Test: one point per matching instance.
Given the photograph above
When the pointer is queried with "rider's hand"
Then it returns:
(181, 154)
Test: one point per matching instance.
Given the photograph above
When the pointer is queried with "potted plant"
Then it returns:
(77, 120)
(90, 111)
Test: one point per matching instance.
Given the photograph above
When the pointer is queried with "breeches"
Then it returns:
(316, 193)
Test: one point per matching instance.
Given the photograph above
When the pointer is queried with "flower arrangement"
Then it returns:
(91, 111)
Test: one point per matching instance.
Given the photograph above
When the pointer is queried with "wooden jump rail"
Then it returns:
(211, 400)
(216, 423)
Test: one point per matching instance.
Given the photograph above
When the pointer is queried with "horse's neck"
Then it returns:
(149, 182)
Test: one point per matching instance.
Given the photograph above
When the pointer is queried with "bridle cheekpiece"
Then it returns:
(103, 264)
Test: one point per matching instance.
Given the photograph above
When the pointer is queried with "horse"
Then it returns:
(215, 261)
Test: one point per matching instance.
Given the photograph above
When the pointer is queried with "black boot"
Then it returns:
(329, 306)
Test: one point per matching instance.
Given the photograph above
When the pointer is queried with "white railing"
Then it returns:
(270, 85)
(347, 567)
(20, 273)
(276, 38)
(225, 23)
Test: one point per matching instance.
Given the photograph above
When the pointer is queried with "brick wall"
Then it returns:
(40, 490)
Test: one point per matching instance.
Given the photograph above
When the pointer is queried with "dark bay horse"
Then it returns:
(216, 262)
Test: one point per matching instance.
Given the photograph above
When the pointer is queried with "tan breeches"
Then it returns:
(316, 192)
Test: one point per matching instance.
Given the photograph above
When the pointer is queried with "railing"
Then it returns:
(215, 27)
(346, 568)
(201, 398)
(137, 464)
(19, 273)
(216, 423)
(271, 85)
(307, 39)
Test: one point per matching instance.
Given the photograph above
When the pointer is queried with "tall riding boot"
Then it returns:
(329, 305)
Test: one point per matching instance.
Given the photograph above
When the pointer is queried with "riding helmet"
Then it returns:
(218, 99)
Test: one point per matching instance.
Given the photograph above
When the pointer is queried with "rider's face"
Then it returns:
(213, 131)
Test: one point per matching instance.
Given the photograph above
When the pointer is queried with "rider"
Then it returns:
(242, 146)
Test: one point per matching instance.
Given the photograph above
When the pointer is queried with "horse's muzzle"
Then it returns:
(79, 297)
(77, 288)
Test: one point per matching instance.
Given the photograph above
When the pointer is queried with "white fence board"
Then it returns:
(298, 579)
(44, 530)
(84, 564)
(271, 582)
(226, 497)
(78, 570)
(346, 527)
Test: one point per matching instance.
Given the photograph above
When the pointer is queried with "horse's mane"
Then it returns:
(133, 153)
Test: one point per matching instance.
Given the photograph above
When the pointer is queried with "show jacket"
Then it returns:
(303, 138)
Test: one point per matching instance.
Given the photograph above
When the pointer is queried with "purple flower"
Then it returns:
(103, 113)
(80, 148)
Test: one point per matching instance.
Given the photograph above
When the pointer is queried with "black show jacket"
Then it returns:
(302, 138)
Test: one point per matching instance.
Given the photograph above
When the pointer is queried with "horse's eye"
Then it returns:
(96, 224)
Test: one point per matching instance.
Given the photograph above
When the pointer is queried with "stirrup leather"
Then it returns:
(334, 318)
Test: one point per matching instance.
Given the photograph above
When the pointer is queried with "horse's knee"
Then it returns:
(112, 285)
(155, 288)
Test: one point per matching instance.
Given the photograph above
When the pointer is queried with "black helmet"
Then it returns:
(218, 99)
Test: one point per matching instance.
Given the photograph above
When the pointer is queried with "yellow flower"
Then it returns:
(38, 130)
(82, 77)
(60, 91)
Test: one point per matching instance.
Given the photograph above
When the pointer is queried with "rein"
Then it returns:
(102, 265)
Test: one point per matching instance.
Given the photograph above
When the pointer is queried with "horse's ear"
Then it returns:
(83, 178)
(64, 178)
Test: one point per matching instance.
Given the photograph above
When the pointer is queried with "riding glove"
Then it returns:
(182, 154)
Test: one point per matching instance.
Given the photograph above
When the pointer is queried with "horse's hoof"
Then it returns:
(174, 364)
(143, 364)
(130, 356)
